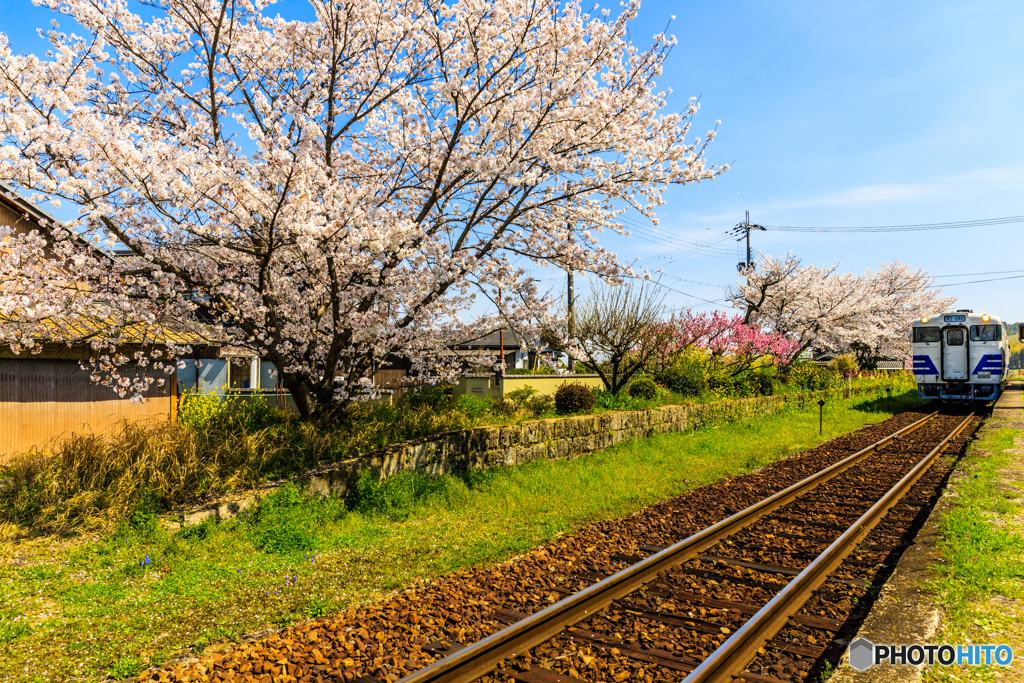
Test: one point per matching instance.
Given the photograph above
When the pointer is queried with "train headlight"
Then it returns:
(985, 318)
(924, 320)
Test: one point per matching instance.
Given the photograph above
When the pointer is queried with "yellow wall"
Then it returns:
(486, 386)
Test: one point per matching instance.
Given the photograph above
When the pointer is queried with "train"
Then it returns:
(960, 356)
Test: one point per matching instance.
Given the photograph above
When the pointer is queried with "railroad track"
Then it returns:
(760, 595)
(668, 625)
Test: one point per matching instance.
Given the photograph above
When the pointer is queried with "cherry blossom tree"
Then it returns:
(833, 311)
(326, 192)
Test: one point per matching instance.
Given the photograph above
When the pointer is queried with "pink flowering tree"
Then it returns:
(324, 192)
(729, 341)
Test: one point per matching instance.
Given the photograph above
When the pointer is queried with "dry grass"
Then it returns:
(92, 481)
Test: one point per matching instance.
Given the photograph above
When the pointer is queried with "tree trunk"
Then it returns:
(301, 394)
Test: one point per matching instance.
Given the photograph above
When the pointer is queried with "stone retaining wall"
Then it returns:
(552, 439)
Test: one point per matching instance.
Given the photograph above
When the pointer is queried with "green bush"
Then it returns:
(434, 397)
(539, 405)
(682, 380)
(814, 377)
(397, 496)
(229, 413)
(288, 521)
(844, 363)
(606, 400)
(763, 382)
(473, 407)
(752, 384)
(643, 387)
(573, 397)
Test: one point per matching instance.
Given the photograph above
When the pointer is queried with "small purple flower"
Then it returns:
(148, 561)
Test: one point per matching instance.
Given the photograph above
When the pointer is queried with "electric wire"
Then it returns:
(948, 225)
(974, 282)
(991, 272)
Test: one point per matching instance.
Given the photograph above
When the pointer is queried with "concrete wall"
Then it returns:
(489, 386)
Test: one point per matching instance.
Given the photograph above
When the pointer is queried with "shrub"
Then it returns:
(473, 407)
(643, 387)
(284, 523)
(763, 383)
(754, 384)
(845, 363)
(197, 409)
(538, 405)
(426, 397)
(814, 377)
(520, 396)
(682, 380)
(573, 397)
(228, 413)
(606, 400)
(503, 406)
(720, 382)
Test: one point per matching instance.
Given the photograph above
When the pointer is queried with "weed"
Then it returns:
(90, 603)
(218, 634)
(316, 607)
(288, 521)
(124, 667)
(10, 631)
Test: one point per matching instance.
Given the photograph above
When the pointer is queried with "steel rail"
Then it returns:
(734, 655)
(483, 656)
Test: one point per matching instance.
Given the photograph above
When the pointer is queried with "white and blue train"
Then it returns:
(960, 356)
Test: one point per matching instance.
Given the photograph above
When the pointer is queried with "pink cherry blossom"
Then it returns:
(327, 192)
(829, 310)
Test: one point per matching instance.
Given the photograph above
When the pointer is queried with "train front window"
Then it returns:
(986, 333)
(926, 334)
(954, 337)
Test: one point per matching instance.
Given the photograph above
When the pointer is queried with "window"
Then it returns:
(986, 332)
(926, 334)
(954, 337)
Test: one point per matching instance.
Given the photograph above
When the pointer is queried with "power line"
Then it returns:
(974, 282)
(692, 296)
(950, 225)
(991, 272)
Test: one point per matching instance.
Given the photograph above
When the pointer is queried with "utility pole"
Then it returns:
(743, 229)
(572, 330)
(501, 335)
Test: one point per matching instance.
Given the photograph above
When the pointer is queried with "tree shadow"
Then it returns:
(897, 403)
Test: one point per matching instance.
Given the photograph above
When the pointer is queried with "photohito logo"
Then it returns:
(864, 654)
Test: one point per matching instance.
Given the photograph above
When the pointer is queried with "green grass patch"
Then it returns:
(115, 602)
(984, 559)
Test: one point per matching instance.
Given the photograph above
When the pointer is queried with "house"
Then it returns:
(46, 394)
(484, 380)
(520, 351)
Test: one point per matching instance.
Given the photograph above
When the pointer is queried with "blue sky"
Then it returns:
(853, 114)
(833, 114)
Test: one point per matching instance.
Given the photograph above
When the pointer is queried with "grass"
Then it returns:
(982, 579)
(92, 606)
(221, 446)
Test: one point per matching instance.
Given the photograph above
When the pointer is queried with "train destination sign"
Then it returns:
(954, 318)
